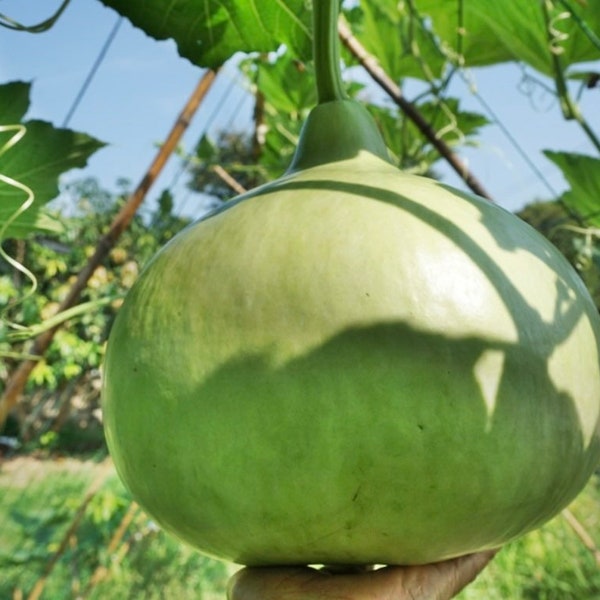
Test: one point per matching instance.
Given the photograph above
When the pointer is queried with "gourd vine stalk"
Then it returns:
(326, 51)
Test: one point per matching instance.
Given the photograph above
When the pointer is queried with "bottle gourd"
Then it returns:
(353, 365)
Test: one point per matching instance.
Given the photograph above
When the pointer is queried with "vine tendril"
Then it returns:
(557, 37)
(44, 25)
(19, 131)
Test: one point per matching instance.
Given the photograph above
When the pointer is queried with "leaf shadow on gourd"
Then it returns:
(389, 404)
(417, 392)
(523, 312)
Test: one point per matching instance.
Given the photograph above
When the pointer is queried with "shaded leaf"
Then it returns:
(583, 174)
(289, 92)
(297, 95)
(205, 150)
(208, 32)
(412, 149)
(591, 79)
(14, 102)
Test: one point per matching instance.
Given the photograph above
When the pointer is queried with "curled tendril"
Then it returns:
(18, 132)
(556, 36)
(452, 126)
(44, 25)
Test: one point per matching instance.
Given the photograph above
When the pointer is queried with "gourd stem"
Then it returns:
(326, 51)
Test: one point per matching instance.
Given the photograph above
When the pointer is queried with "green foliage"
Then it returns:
(77, 349)
(401, 35)
(583, 174)
(208, 32)
(36, 512)
(400, 39)
(280, 111)
(31, 165)
(479, 32)
(285, 106)
(422, 39)
(413, 151)
(232, 151)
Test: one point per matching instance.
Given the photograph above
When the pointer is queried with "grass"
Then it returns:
(36, 511)
(39, 499)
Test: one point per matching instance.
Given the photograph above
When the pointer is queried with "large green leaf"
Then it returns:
(297, 95)
(583, 174)
(406, 37)
(481, 32)
(34, 162)
(208, 32)
(14, 101)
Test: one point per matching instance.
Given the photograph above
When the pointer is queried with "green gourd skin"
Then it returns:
(353, 365)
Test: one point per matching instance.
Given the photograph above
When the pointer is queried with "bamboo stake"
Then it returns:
(372, 67)
(228, 179)
(582, 534)
(16, 383)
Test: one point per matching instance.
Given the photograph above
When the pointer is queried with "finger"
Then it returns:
(443, 580)
(440, 581)
(277, 583)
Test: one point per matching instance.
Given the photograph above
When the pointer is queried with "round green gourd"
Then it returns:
(352, 365)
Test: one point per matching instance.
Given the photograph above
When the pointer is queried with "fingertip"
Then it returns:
(233, 583)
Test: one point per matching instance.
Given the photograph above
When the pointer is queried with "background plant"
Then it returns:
(66, 380)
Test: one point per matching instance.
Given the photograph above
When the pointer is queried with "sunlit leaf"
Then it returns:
(297, 95)
(34, 162)
(208, 32)
(480, 32)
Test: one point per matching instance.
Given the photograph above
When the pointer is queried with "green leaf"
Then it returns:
(208, 32)
(402, 43)
(205, 150)
(591, 79)
(487, 32)
(583, 175)
(287, 85)
(14, 102)
(34, 162)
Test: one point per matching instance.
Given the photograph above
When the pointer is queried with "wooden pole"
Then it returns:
(372, 67)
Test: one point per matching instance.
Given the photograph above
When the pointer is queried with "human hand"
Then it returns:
(438, 581)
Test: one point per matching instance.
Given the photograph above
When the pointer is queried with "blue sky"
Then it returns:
(142, 85)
